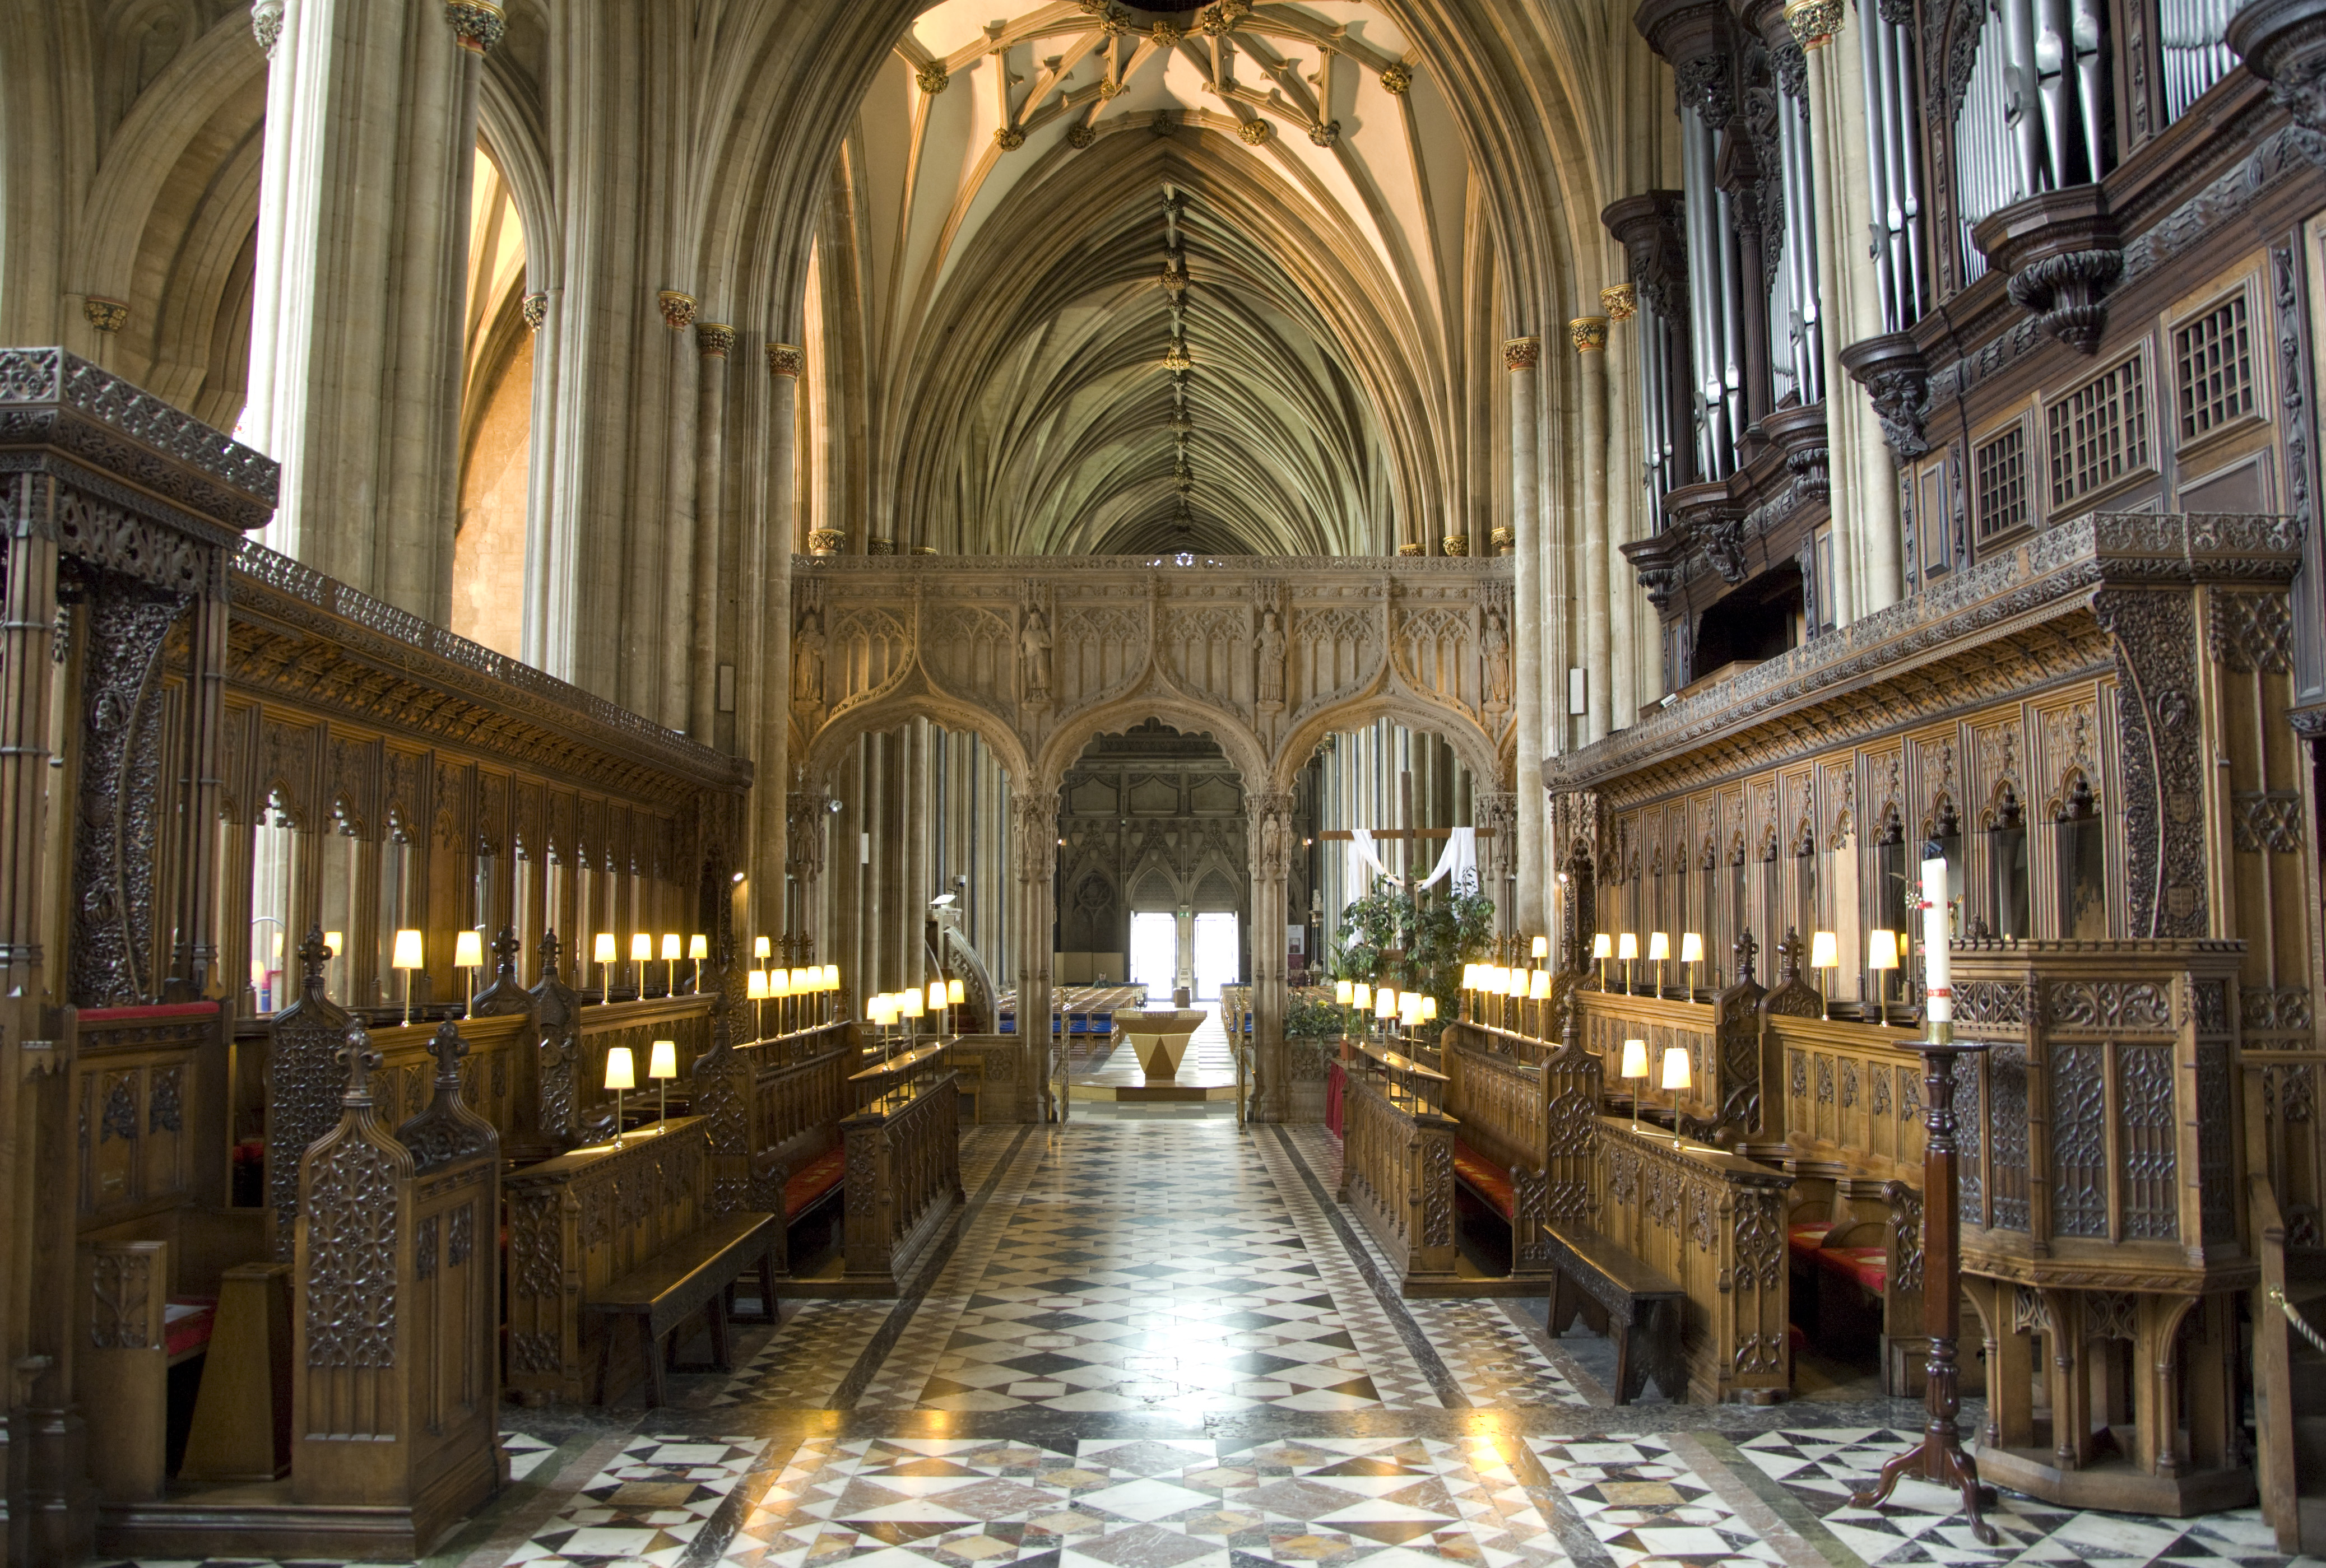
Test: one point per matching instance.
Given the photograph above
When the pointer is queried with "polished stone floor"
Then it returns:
(1154, 1342)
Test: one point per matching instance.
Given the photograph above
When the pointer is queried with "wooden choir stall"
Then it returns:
(389, 969)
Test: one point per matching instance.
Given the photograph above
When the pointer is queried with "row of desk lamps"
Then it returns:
(1386, 1005)
(888, 1008)
(1884, 951)
(621, 1077)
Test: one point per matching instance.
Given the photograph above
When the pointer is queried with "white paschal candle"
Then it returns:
(1934, 942)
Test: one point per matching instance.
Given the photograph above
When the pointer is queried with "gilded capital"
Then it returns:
(1455, 544)
(1587, 333)
(1506, 542)
(1620, 300)
(1165, 34)
(677, 309)
(1398, 79)
(934, 77)
(1325, 132)
(477, 25)
(876, 545)
(826, 541)
(1008, 138)
(1255, 132)
(536, 310)
(715, 338)
(1409, 549)
(1814, 21)
(105, 315)
(1521, 353)
(786, 359)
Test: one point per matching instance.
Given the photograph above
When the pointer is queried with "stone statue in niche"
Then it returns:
(1034, 655)
(1271, 660)
(807, 660)
(1495, 649)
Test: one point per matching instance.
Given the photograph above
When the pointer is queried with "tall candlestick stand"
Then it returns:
(1940, 1456)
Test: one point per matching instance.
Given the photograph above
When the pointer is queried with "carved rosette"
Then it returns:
(826, 541)
(1008, 138)
(677, 309)
(1397, 79)
(1079, 135)
(786, 360)
(1620, 300)
(932, 77)
(1521, 353)
(1588, 334)
(1814, 21)
(477, 25)
(1255, 132)
(536, 309)
(1325, 132)
(105, 315)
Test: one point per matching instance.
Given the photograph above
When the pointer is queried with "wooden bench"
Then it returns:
(692, 1274)
(1639, 1302)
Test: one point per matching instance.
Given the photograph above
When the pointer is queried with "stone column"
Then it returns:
(1601, 564)
(357, 335)
(767, 644)
(1523, 359)
(541, 467)
(1867, 555)
(1032, 856)
(698, 679)
(1270, 857)
(913, 905)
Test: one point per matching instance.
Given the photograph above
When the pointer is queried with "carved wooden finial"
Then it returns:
(1788, 958)
(448, 1047)
(505, 947)
(1747, 950)
(1570, 1020)
(312, 956)
(358, 1058)
(549, 957)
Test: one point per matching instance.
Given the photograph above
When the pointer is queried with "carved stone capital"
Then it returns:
(2284, 43)
(1409, 548)
(1506, 542)
(1454, 544)
(826, 541)
(677, 309)
(876, 545)
(1521, 353)
(715, 338)
(1897, 377)
(1814, 21)
(786, 359)
(536, 309)
(2061, 254)
(266, 24)
(1588, 334)
(105, 315)
(1620, 300)
(477, 25)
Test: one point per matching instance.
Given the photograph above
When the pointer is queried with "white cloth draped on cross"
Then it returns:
(1458, 860)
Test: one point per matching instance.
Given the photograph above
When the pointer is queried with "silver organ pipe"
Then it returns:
(1730, 267)
(1801, 249)
(2189, 37)
(1892, 117)
(1711, 299)
(1989, 153)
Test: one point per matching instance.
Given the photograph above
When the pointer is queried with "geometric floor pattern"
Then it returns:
(1153, 1340)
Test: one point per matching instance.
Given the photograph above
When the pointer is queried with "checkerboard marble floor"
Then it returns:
(1158, 1343)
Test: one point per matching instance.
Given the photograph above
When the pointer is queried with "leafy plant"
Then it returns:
(1314, 1018)
(1414, 942)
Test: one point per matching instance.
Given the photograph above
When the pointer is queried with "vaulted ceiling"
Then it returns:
(1103, 278)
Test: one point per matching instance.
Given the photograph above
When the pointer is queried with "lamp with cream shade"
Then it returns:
(1361, 996)
(1541, 947)
(698, 948)
(1601, 949)
(670, 950)
(1659, 954)
(1538, 985)
(334, 944)
(604, 954)
(621, 1076)
(1882, 958)
(761, 948)
(468, 953)
(406, 957)
(1635, 1071)
(1691, 953)
(1824, 955)
(662, 1066)
(1627, 951)
(1343, 992)
(1676, 1078)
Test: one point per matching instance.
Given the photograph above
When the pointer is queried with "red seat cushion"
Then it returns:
(186, 1325)
(1805, 1240)
(813, 1181)
(1489, 1179)
(1867, 1264)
